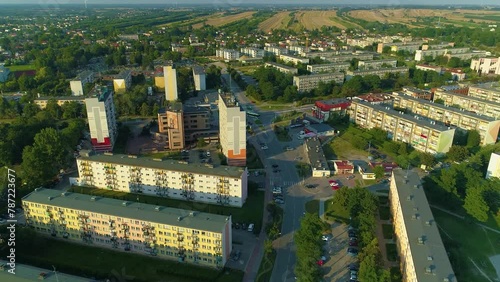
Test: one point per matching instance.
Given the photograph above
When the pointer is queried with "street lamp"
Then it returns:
(55, 272)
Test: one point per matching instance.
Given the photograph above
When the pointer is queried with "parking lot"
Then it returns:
(336, 267)
(243, 244)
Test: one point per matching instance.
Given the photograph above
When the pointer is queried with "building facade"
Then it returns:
(77, 85)
(163, 232)
(293, 59)
(378, 72)
(421, 54)
(252, 52)
(170, 76)
(421, 250)
(219, 185)
(310, 82)
(424, 135)
(487, 91)
(123, 81)
(42, 101)
(486, 126)
(486, 65)
(282, 68)
(469, 103)
(377, 64)
(227, 54)
(171, 123)
(101, 117)
(232, 125)
(335, 67)
(347, 58)
(199, 78)
(323, 109)
(493, 166)
(275, 50)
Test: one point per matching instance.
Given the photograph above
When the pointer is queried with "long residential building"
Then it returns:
(223, 185)
(378, 72)
(310, 82)
(122, 81)
(347, 58)
(275, 50)
(317, 159)
(421, 54)
(77, 84)
(199, 77)
(487, 91)
(377, 64)
(227, 54)
(101, 117)
(282, 68)
(486, 126)
(60, 100)
(423, 134)
(252, 52)
(170, 83)
(295, 60)
(421, 249)
(468, 55)
(335, 67)
(167, 233)
(233, 133)
(469, 103)
(486, 65)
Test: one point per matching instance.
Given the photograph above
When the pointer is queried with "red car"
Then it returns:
(320, 262)
(334, 184)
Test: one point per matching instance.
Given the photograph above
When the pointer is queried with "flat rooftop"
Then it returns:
(316, 155)
(329, 74)
(167, 164)
(417, 119)
(133, 210)
(280, 66)
(419, 223)
(378, 70)
(228, 99)
(197, 70)
(447, 108)
(491, 86)
(123, 74)
(61, 98)
(331, 65)
(28, 273)
(472, 98)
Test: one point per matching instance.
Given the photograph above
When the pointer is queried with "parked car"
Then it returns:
(237, 225)
(278, 201)
(274, 165)
(251, 227)
(310, 186)
(288, 148)
(353, 243)
(353, 266)
(327, 237)
(352, 251)
(276, 170)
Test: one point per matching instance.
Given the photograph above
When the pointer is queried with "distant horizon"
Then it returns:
(246, 3)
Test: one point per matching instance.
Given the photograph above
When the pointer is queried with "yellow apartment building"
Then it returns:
(487, 91)
(469, 103)
(219, 185)
(174, 234)
(423, 134)
(486, 126)
(423, 257)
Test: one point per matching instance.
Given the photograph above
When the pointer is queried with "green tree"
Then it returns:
(156, 109)
(71, 110)
(201, 143)
(145, 109)
(427, 159)
(474, 203)
(53, 109)
(309, 248)
(368, 269)
(473, 139)
(379, 171)
(458, 153)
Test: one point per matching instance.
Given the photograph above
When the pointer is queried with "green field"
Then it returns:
(21, 68)
(336, 213)
(466, 242)
(89, 261)
(312, 206)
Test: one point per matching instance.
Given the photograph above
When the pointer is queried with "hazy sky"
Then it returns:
(237, 2)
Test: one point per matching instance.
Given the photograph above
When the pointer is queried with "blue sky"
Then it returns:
(236, 2)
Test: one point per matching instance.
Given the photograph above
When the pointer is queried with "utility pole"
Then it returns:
(55, 272)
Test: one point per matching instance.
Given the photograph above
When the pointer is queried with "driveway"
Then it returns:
(335, 268)
(243, 242)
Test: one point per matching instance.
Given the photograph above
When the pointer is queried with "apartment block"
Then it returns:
(378, 72)
(227, 54)
(171, 123)
(101, 117)
(323, 109)
(486, 65)
(77, 84)
(167, 233)
(222, 185)
(335, 67)
(486, 126)
(42, 101)
(410, 46)
(295, 49)
(469, 103)
(468, 55)
(276, 50)
(310, 82)
(377, 64)
(317, 158)
(438, 46)
(423, 134)
(417, 93)
(282, 68)
(122, 81)
(493, 166)
(199, 78)
(421, 54)
(293, 59)
(252, 52)
(421, 249)
(487, 91)
(170, 77)
(423, 67)
(347, 58)
(233, 133)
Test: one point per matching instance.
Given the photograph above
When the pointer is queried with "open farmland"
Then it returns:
(413, 16)
(316, 19)
(220, 20)
(277, 21)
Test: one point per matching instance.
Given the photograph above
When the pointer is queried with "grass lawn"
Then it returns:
(336, 213)
(388, 231)
(21, 68)
(343, 149)
(384, 212)
(312, 206)
(392, 252)
(253, 159)
(89, 261)
(266, 267)
(251, 212)
(465, 241)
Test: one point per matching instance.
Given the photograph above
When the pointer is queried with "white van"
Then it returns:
(250, 227)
